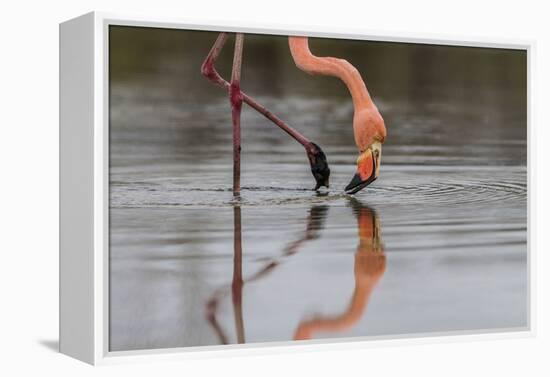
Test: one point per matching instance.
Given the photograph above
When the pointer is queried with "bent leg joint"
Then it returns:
(236, 97)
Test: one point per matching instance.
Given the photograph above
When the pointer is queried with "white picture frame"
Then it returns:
(84, 220)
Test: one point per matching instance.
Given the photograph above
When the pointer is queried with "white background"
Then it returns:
(29, 186)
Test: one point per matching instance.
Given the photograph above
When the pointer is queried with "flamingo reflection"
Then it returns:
(369, 266)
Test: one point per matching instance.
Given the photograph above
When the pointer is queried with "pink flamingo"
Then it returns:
(368, 125)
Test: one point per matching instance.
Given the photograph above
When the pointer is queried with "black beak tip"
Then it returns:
(357, 184)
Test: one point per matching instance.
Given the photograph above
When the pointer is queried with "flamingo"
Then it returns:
(368, 125)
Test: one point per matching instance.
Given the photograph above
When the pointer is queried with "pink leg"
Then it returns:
(317, 159)
(236, 99)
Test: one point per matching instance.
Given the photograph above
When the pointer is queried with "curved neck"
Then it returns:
(306, 61)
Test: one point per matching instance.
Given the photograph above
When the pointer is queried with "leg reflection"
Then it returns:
(369, 266)
(315, 223)
(237, 285)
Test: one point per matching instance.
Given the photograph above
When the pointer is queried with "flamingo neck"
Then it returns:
(307, 62)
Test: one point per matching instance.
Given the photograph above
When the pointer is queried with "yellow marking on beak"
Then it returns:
(377, 150)
(374, 151)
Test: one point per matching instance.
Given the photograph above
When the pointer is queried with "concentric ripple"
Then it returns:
(422, 186)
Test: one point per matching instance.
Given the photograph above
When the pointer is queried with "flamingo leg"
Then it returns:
(209, 71)
(236, 99)
(316, 156)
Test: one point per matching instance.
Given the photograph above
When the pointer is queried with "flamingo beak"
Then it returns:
(368, 168)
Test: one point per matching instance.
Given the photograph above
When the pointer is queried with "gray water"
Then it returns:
(437, 243)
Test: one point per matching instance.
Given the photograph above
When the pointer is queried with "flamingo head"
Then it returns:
(369, 132)
(319, 166)
(368, 168)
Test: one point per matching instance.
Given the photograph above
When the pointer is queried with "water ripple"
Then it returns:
(421, 187)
